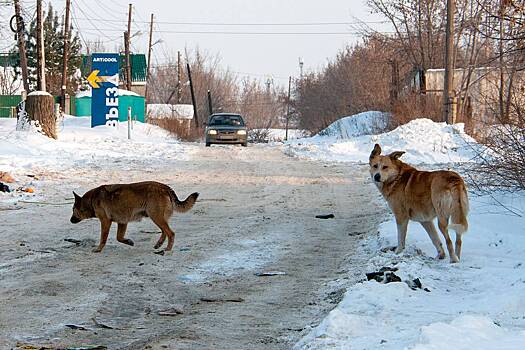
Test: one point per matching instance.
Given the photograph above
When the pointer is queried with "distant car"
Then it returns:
(226, 128)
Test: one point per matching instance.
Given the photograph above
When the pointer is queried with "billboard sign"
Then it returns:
(104, 89)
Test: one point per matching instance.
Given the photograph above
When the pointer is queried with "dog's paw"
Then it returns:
(399, 250)
(97, 250)
(440, 256)
(388, 249)
(157, 246)
(454, 259)
(128, 242)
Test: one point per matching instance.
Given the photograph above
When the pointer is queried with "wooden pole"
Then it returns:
(193, 101)
(288, 108)
(127, 48)
(210, 105)
(21, 44)
(448, 85)
(179, 77)
(149, 58)
(65, 58)
(41, 70)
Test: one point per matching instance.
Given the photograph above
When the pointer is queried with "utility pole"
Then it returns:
(127, 48)
(448, 86)
(288, 108)
(210, 104)
(394, 85)
(179, 77)
(41, 65)
(21, 44)
(65, 58)
(149, 57)
(301, 64)
(193, 101)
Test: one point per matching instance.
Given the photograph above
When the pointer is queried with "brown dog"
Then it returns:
(123, 203)
(421, 196)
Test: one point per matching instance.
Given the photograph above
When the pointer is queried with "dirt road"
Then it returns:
(256, 214)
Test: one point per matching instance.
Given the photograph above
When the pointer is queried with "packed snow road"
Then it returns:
(256, 213)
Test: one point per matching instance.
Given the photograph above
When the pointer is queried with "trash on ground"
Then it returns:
(172, 311)
(386, 275)
(6, 177)
(101, 325)
(4, 187)
(270, 273)
(74, 326)
(222, 300)
(325, 216)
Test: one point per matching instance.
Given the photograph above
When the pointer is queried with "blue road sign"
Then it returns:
(104, 89)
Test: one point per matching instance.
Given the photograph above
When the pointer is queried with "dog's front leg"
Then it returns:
(105, 225)
(402, 226)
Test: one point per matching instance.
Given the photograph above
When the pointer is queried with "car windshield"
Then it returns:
(228, 120)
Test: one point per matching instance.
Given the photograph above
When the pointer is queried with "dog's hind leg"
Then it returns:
(402, 226)
(443, 227)
(162, 223)
(105, 225)
(458, 245)
(434, 237)
(160, 242)
(121, 231)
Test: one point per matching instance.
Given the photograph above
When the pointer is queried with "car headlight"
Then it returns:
(241, 132)
(212, 132)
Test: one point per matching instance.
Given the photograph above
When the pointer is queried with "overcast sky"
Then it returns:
(257, 55)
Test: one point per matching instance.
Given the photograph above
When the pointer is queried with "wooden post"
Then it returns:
(41, 57)
(394, 85)
(193, 101)
(448, 84)
(65, 58)
(21, 44)
(179, 77)
(41, 107)
(288, 108)
(149, 59)
(127, 48)
(210, 105)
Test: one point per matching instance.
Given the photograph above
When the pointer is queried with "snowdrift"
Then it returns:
(476, 304)
(79, 143)
(423, 140)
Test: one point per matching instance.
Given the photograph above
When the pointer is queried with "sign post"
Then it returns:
(104, 89)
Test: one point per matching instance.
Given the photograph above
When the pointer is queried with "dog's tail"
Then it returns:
(460, 208)
(186, 204)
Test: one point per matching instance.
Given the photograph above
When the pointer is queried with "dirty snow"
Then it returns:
(79, 144)
(424, 141)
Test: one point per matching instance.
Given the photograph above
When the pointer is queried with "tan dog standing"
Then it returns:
(422, 196)
(123, 203)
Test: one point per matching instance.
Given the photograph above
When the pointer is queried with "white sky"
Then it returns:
(257, 55)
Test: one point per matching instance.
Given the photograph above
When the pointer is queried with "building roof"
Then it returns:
(138, 67)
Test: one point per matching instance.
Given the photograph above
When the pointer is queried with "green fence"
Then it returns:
(7, 104)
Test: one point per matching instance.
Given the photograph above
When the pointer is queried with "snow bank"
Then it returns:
(79, 144)
(121, 92)
(423, 140)
(366, 123)
(162, 110)
(476, 304)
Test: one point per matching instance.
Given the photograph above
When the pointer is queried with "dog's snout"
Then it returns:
(377, 177)
(74, 220)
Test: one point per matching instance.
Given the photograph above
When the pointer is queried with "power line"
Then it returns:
(244, 24)
(250, 33)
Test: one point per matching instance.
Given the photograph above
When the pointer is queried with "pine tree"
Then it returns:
(54, 51)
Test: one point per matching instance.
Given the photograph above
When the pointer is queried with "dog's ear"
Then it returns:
(396, 155)
(376, 151)
(77, 197)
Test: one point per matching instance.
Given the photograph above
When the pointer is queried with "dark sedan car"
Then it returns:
(226, 128)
